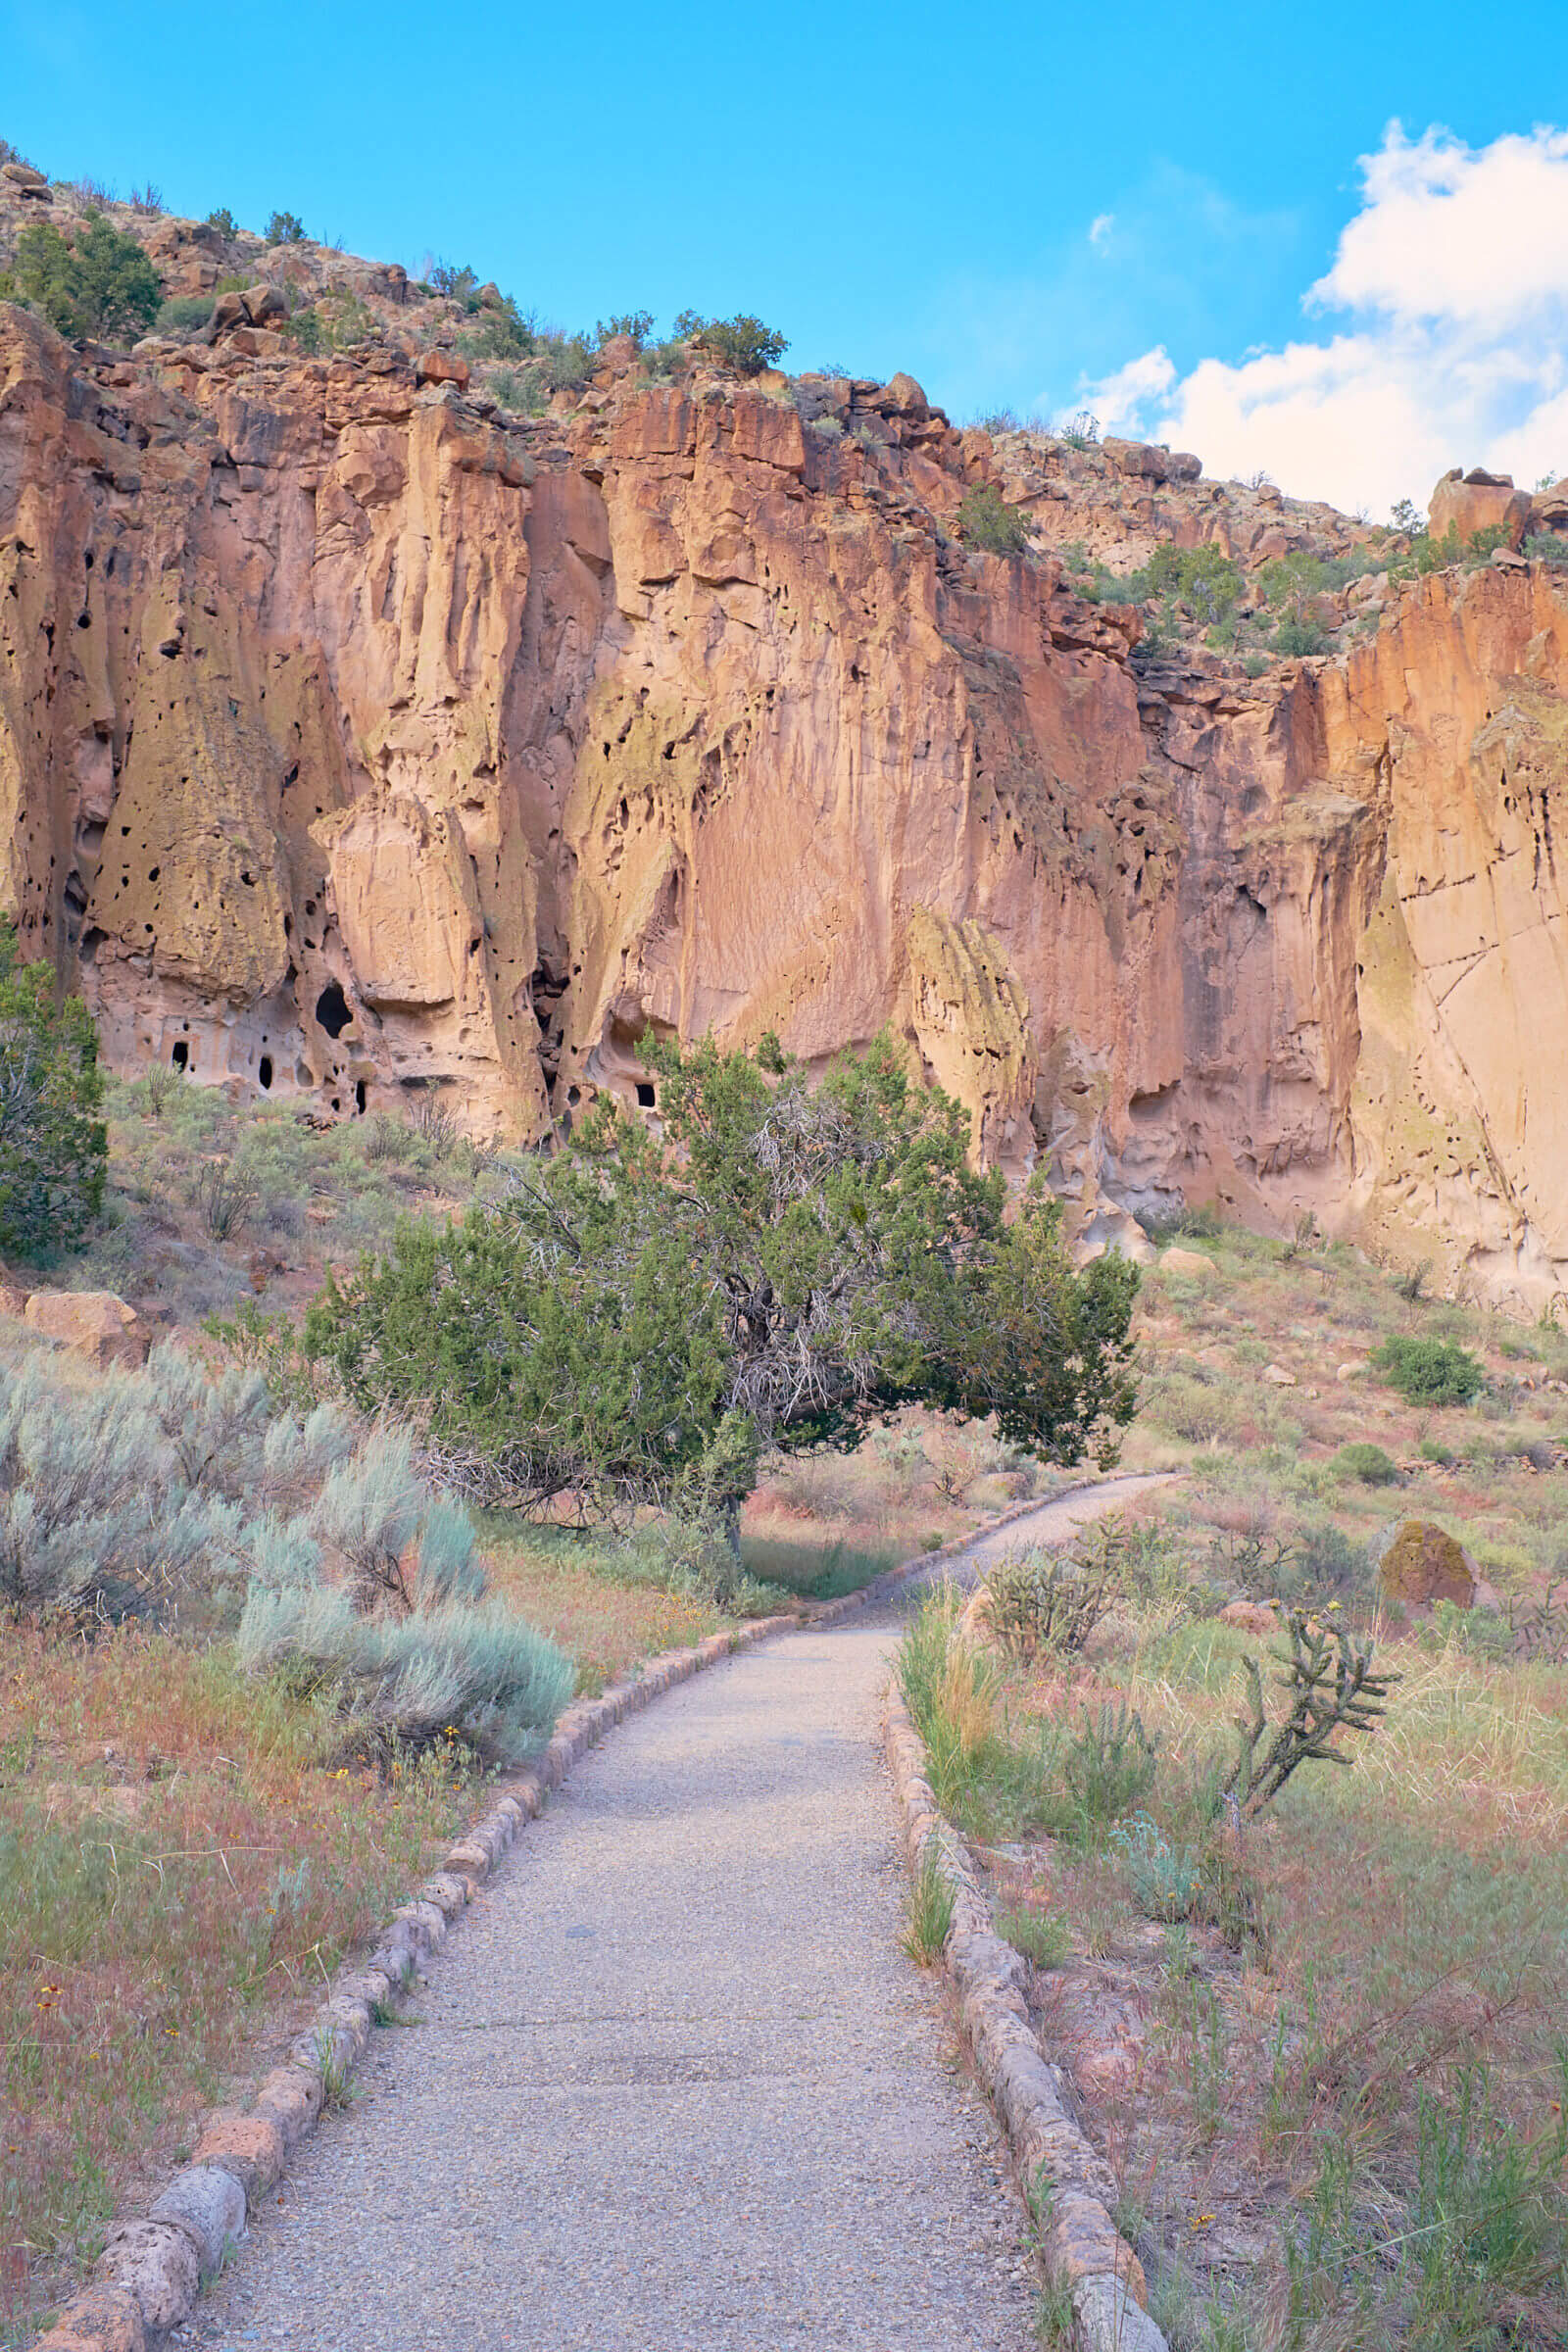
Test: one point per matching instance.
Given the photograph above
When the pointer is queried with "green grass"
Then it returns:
(813, 1571)
(930, 1922)
(1042, 1937)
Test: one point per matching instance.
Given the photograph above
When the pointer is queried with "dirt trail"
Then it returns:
(674, 2082)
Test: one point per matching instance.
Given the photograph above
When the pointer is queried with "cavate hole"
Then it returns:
(264, 1073)
(645, 1092)
(180, 1057)
(332, 1010)
(359, 1097)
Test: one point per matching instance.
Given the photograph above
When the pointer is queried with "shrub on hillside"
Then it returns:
(98, 281)
(742, 343)
(1203, 579)
(54, 1148)
(474, 1669)
(1367, 1463)
(636, 325)
(184, 313)
(286, 228)
(222, 220)
(1296, 639)
(458, 281)
(989, 526)
(1429, 1371)
(179, 1497)
(95, 1518)
(374, 1593)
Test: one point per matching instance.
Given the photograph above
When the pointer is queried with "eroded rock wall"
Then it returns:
(357, 738)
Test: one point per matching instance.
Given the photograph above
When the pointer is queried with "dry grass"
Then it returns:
(570, 1593)
(1329, 2089)
(184, 1859)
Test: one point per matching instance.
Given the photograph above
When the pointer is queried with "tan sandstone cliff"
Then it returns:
(358, 736)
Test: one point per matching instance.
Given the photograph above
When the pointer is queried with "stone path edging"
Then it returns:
(153, 2270)
(1068, 2185)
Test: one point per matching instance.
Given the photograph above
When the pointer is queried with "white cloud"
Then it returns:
(1100, 226)
(1123, 398)
(1455, 274)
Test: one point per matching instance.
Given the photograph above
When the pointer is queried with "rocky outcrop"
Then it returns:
(95, 1324)
(1458, 1104)
(358, 737)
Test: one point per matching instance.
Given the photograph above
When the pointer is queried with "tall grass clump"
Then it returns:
(925, 1939)
(950, 1688)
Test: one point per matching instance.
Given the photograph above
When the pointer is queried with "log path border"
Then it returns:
(153, 2269)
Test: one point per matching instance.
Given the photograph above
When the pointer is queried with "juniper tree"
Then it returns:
(770, 1262)
(54, 1148)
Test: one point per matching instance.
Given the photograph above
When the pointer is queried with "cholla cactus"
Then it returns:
(1329, 1679)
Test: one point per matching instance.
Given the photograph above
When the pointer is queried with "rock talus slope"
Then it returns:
(358, 736)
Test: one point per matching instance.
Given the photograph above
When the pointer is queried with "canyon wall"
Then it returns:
(359, 738)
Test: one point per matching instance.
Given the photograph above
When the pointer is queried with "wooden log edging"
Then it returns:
(153, 2270)
(1068, 2188)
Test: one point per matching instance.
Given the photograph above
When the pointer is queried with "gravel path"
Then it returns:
(674, 2083)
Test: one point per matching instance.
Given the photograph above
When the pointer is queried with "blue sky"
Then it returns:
(1013, 203)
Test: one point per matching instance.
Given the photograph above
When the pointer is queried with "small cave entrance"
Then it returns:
(645, 1094)
(332, 1010)
(180, 1057)
(264, 1073)
(359, 1097)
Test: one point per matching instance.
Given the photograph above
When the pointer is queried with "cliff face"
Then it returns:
(357, 737)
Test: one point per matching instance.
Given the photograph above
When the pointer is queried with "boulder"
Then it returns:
(1277, 1376)
(904, 397)
(1187, 1261)
(260, 343)
(618, 356)
(437, 366)
(1478, 501)
(25, 180)
(1418, 1563)
(1548, 509)
(1113, 1228)
(1140, 459)
(228, 310)
(93, 1323)
(1251, 1617)
(265, 306)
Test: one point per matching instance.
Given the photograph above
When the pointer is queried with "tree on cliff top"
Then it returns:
(771, 1263)
(743, 342)
(54, 1148)
(96, 282)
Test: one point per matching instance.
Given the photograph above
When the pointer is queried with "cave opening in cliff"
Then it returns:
(645, 1094)
(332, 1010)
(180, 1057)
(264, 1073)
